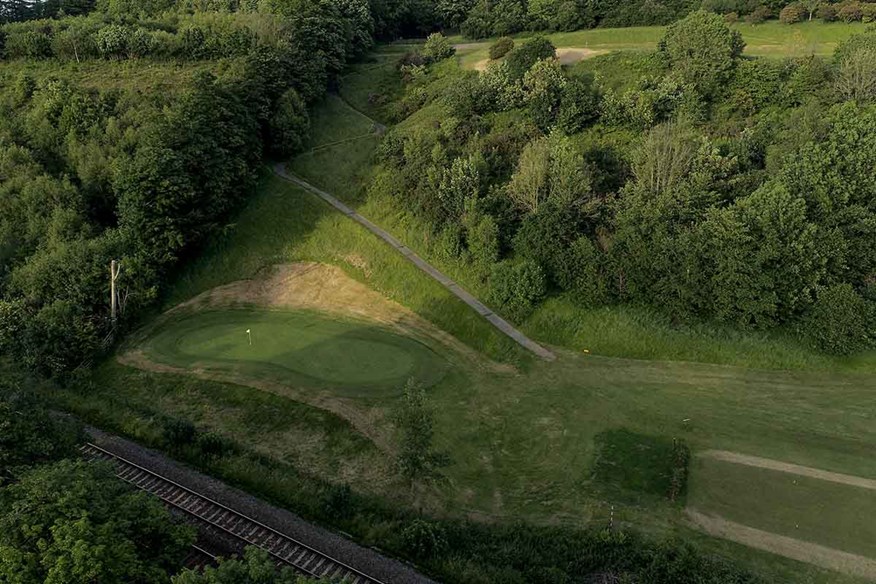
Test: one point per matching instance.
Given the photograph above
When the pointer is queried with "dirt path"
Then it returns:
(788, 547)
(494, 319)
(806, 471)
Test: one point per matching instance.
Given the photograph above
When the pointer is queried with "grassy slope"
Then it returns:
(522, 444)
(771, 39)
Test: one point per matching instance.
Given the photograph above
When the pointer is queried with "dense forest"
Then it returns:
(710, 186)
(91, 174)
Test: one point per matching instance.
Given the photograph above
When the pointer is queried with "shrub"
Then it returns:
(338, 501)
(850, 11)
(501, 47)
(792, 13)
(437, 48)
(579, 106)
(212, 444)
(521, 58)
(827, 12)
(112, 41)
(678, 476)
(731, 17)
(516, 288)
(841, 321)
(177, 432)
(759, 15)
(868, 12)
(423, 539)
(289, 126)
(580, 273)
(702, 50)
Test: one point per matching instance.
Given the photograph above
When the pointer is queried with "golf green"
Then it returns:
(295, 347)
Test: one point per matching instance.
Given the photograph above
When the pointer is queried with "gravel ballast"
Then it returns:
(363, 559)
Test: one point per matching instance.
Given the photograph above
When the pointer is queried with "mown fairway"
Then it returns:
(770, 39)
(297, 348)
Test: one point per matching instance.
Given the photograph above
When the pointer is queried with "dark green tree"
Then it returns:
(76, 522)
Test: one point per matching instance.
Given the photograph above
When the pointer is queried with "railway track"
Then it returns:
(284, 549)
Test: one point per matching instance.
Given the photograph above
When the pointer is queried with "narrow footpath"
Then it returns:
(494, 319)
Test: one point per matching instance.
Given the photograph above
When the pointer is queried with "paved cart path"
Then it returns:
(496, 320)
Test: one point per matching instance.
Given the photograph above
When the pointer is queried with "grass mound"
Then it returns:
(296, 348)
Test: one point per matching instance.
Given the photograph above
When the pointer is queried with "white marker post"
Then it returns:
(249, 336)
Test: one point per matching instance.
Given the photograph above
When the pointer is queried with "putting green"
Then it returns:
(296, 347)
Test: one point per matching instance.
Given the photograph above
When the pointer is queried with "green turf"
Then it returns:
(771, 39)
(297, 348)
(830, 514)
(632, 465)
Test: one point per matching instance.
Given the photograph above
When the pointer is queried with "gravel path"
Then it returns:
(494, 319)
(363, 559)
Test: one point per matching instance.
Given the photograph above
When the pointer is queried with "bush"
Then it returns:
(791, 14)
(437, 48)
(501, 47)
(516, 288)
(177, 432)
(702, 50)
(338, 501)
(868, 12)
(841, 322)
(678, 477)
(850, 11)
(423, 539)
(827, 12)
(579, 106)
(215, 445)
(731, 17)
(289, 126)
(520, 59)
(759, 15)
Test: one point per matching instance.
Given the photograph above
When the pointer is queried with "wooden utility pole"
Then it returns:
(115, 268)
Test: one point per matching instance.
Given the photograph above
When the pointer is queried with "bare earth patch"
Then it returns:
(570, 55)
(778, 465)
(788, 547)
(566, 56)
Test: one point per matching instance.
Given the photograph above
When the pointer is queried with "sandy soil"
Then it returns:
(566, 56)
(790, 468)
(795, 549)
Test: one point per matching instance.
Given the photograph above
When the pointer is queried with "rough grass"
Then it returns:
(298, 348)
(827, 513)
(642, 333)
(140, 74)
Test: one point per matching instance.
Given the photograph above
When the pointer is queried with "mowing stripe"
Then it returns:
(787, 467)
(494, 319)
(802, 551)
